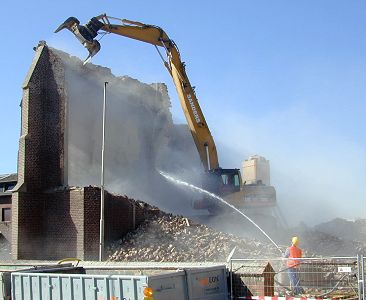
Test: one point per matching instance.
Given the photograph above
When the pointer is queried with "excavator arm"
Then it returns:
(156, 36)
(224, 182)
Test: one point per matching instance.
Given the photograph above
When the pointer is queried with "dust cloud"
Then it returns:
(317, 176)
(141, 138)
(318, 173)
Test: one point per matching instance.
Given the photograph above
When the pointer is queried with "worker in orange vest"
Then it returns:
(293, 265)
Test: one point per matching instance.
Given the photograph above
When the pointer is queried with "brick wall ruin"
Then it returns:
(49, 219)
(5, 226)
(40, 157)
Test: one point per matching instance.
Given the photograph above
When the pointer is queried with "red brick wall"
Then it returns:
(91, 222)
(40, 157)
(27, 227)
(5, 227)
(41, 144)
(49, 221)
(65, 223)
(121, 215)
(63, 216)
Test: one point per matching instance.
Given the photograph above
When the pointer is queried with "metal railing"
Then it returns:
(361, 277)
(320, 278)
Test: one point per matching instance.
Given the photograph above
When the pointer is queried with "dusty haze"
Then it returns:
(141, 138)
(317, 177)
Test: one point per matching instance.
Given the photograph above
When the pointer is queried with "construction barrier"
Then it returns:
(310, 279)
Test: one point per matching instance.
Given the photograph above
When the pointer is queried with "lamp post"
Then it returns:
(101, 223)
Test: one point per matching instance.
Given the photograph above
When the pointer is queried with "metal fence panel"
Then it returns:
(330, 277)
(361, 277)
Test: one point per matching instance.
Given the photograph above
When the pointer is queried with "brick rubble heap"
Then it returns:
(168, 238)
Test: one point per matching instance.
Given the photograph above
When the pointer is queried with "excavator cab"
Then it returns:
(220, 182)
(230, 181)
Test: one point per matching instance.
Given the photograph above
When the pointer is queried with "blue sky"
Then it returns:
(283, 79)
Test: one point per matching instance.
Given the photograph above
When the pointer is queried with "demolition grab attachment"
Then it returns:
(84, 33)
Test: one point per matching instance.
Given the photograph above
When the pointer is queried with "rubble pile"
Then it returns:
(348, 230)
(336, 237)
(168, 238)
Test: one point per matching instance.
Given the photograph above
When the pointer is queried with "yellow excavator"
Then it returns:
(226, 183)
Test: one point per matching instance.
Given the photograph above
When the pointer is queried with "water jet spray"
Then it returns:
(212, 195)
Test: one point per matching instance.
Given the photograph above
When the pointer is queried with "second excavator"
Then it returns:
(227, 183)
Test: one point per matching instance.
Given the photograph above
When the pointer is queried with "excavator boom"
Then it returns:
(156, 36)
(224, 182)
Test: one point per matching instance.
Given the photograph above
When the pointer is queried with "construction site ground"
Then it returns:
(170, 238)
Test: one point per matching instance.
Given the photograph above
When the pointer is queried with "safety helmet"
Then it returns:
(295, 240)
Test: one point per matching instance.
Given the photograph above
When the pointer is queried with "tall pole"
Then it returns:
(101, 223)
